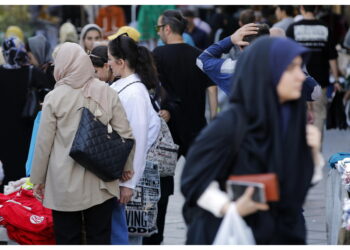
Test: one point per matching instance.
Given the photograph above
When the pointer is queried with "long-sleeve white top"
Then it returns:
(143, 120)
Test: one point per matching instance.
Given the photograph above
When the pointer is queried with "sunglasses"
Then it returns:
(157, 27)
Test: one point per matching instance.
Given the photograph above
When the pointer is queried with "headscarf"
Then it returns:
(73, 67)
(247, 139)
(14, 31)
(14, 53)
(132, 33)
(86, 29)
(68, 33)
(280, 58)
(257, 74)
(40, 48)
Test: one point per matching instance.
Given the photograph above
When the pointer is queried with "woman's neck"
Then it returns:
(127, 72)
(111, 76)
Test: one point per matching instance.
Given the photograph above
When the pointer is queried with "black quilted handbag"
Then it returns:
(100, 152)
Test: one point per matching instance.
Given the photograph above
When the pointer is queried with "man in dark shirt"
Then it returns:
(182, 79)
(314, 34)
(186, 84)
(198, 35)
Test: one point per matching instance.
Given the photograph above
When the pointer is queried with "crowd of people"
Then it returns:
(274, 80)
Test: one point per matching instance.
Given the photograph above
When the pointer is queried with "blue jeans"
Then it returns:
(119, 234)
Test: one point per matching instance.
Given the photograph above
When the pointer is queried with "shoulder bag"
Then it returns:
(102, 152)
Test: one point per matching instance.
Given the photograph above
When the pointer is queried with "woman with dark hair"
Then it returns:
(99, 58)
(263, 131)
(135, 67)
(119, 231)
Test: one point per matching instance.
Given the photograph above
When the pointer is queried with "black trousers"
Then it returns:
(95, 221)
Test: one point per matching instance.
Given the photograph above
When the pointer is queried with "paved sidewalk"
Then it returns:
(315, 215)
(175, 228)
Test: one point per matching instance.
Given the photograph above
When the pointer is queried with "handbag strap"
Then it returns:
(87, 104)
(127, 86)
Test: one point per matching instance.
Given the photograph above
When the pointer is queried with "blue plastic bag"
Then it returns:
(32, 143)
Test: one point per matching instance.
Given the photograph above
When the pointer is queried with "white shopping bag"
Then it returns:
(233, 230)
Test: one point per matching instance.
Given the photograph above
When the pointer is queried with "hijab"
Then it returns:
(68, 33)
(14, 53)
(270, 145)
(280, 58)
(14, 31)
(247, 138)
(73, 67)
(41, 49)
(85, 30)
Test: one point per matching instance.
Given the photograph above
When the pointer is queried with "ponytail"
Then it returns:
(146, 68)
(139, 58)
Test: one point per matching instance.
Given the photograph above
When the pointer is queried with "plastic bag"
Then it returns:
(32, 144)
(233, 230)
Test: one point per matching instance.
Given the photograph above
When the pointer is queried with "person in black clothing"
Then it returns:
(183, 80)
(263, 131)
(15, 132)
(198, 35)
(315, 34)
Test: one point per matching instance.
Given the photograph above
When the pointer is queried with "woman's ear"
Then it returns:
(106, 66)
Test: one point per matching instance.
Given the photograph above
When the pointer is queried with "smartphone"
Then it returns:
(236, 189)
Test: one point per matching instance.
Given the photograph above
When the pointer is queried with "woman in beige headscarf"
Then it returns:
(67, 188)
(68, 33)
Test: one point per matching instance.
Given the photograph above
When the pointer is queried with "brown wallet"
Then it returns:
(270, 181)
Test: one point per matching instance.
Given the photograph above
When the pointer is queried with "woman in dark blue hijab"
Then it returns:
(263, 131)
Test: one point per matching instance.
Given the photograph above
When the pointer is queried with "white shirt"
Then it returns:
(144, 121)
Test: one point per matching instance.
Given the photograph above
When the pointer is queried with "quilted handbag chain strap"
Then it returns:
(97, 112)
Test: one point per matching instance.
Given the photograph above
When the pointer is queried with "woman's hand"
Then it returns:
(38, 191)
(164, 114)
(125, 194)
(246, 206)
(127, 175)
